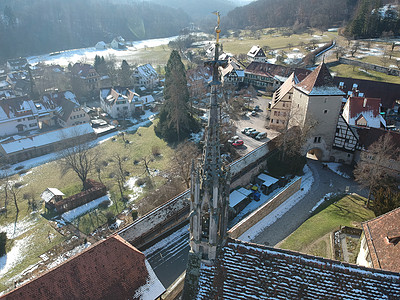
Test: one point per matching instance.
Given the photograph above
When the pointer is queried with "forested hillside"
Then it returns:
(298, 13)
(33, 27)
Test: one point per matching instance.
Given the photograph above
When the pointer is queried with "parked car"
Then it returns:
(238, 143)
(261, 135)
(244, 130)
(248, 132)
(254, 134)
(253, 113)
(257, 108)
(233, 139)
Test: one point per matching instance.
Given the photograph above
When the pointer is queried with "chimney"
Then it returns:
(365, 102)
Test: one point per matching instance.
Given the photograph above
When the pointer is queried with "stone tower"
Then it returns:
(209, 199)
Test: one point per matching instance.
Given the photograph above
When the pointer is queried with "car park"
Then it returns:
(238, 143)
(233, 139)
(261, 135)
(244, 130)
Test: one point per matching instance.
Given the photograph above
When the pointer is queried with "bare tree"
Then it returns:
(373, 167)
(121, 173)
(79, 158)
(354, 48)
(182, 160)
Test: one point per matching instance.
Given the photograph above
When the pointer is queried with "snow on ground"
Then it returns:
(326, 197)
(15, 230)
(136, 191)
(306, 182)
(83, 209)
(335, 168)
(14, 256)
(63, 257)
(197, 137)
(168, 240)
(73, 56)
(294, 57)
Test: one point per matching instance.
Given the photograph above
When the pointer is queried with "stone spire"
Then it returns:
(209, 199)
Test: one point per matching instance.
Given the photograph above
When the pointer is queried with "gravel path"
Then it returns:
(325, 181)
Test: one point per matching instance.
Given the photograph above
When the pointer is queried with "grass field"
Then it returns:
(312, 237)
(359, 73)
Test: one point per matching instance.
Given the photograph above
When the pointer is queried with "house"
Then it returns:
(282, 100)
(118, 43)
(148, 101)
(20, 114)
(268, 76)
(101, 46)
(364, 112)
(257, 54)
(86, 75)
(380, 247)
(245, 271)
(233, 73)
(66, 107)
(145, 76)
(16, 150)
(121, 102)
(17, 64)
(54, 201)
(110, 269)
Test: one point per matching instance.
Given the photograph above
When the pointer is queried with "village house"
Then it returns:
(110, 269)
(118, 43)
(121, 102)
(257, 54)
(363, 112)
(20, 114)
(145, 76)
(86, 74)
(17, 64)
(380, 247)
(66, 107)
(101, 45)
(233, 73)
(15, 150)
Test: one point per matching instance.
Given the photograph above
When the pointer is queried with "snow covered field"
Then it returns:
(76, 55)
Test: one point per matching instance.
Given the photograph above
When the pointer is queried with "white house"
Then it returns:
(364, 112)
(145, 76)
(101, 45)
(121, 102)
(256, 53)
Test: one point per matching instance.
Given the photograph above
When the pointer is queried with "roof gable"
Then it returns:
(111, 269)
(250, 271)
(319, 82)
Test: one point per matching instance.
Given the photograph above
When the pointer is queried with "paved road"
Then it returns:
(325, 181)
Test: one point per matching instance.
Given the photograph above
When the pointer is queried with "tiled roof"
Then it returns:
(83, 70)
(385, 253)
(359, 105)
(368, 136)
(388, 92)
(111, 269)
(267, 69)
(319, 82)
(250, 271)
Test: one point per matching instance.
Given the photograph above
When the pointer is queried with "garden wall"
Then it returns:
(369, 66)
(256, 216)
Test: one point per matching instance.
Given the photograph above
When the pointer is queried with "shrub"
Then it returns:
(19, 168)
(155, 150)
(104, 204)
(134, 215)
(110, 218)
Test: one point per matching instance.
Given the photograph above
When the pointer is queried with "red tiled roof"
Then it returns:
(359, 105)
(388, 92)
(384, 254)
(250, 271)
(368, 136)
(271, 70)
(320, 77)
(110, 269)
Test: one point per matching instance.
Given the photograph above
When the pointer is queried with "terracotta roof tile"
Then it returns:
(382, 235)
(368, 136)
(250, 271)
(110, 269)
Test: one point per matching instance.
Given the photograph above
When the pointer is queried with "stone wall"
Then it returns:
(367, 66)
(256, 216)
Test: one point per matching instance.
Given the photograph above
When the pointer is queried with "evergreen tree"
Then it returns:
(176, 121)
(125, 74)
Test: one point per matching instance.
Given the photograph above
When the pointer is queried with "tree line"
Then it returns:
(28, 28)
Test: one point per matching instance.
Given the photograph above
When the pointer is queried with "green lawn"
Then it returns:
(312, 237)
(357, 72)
